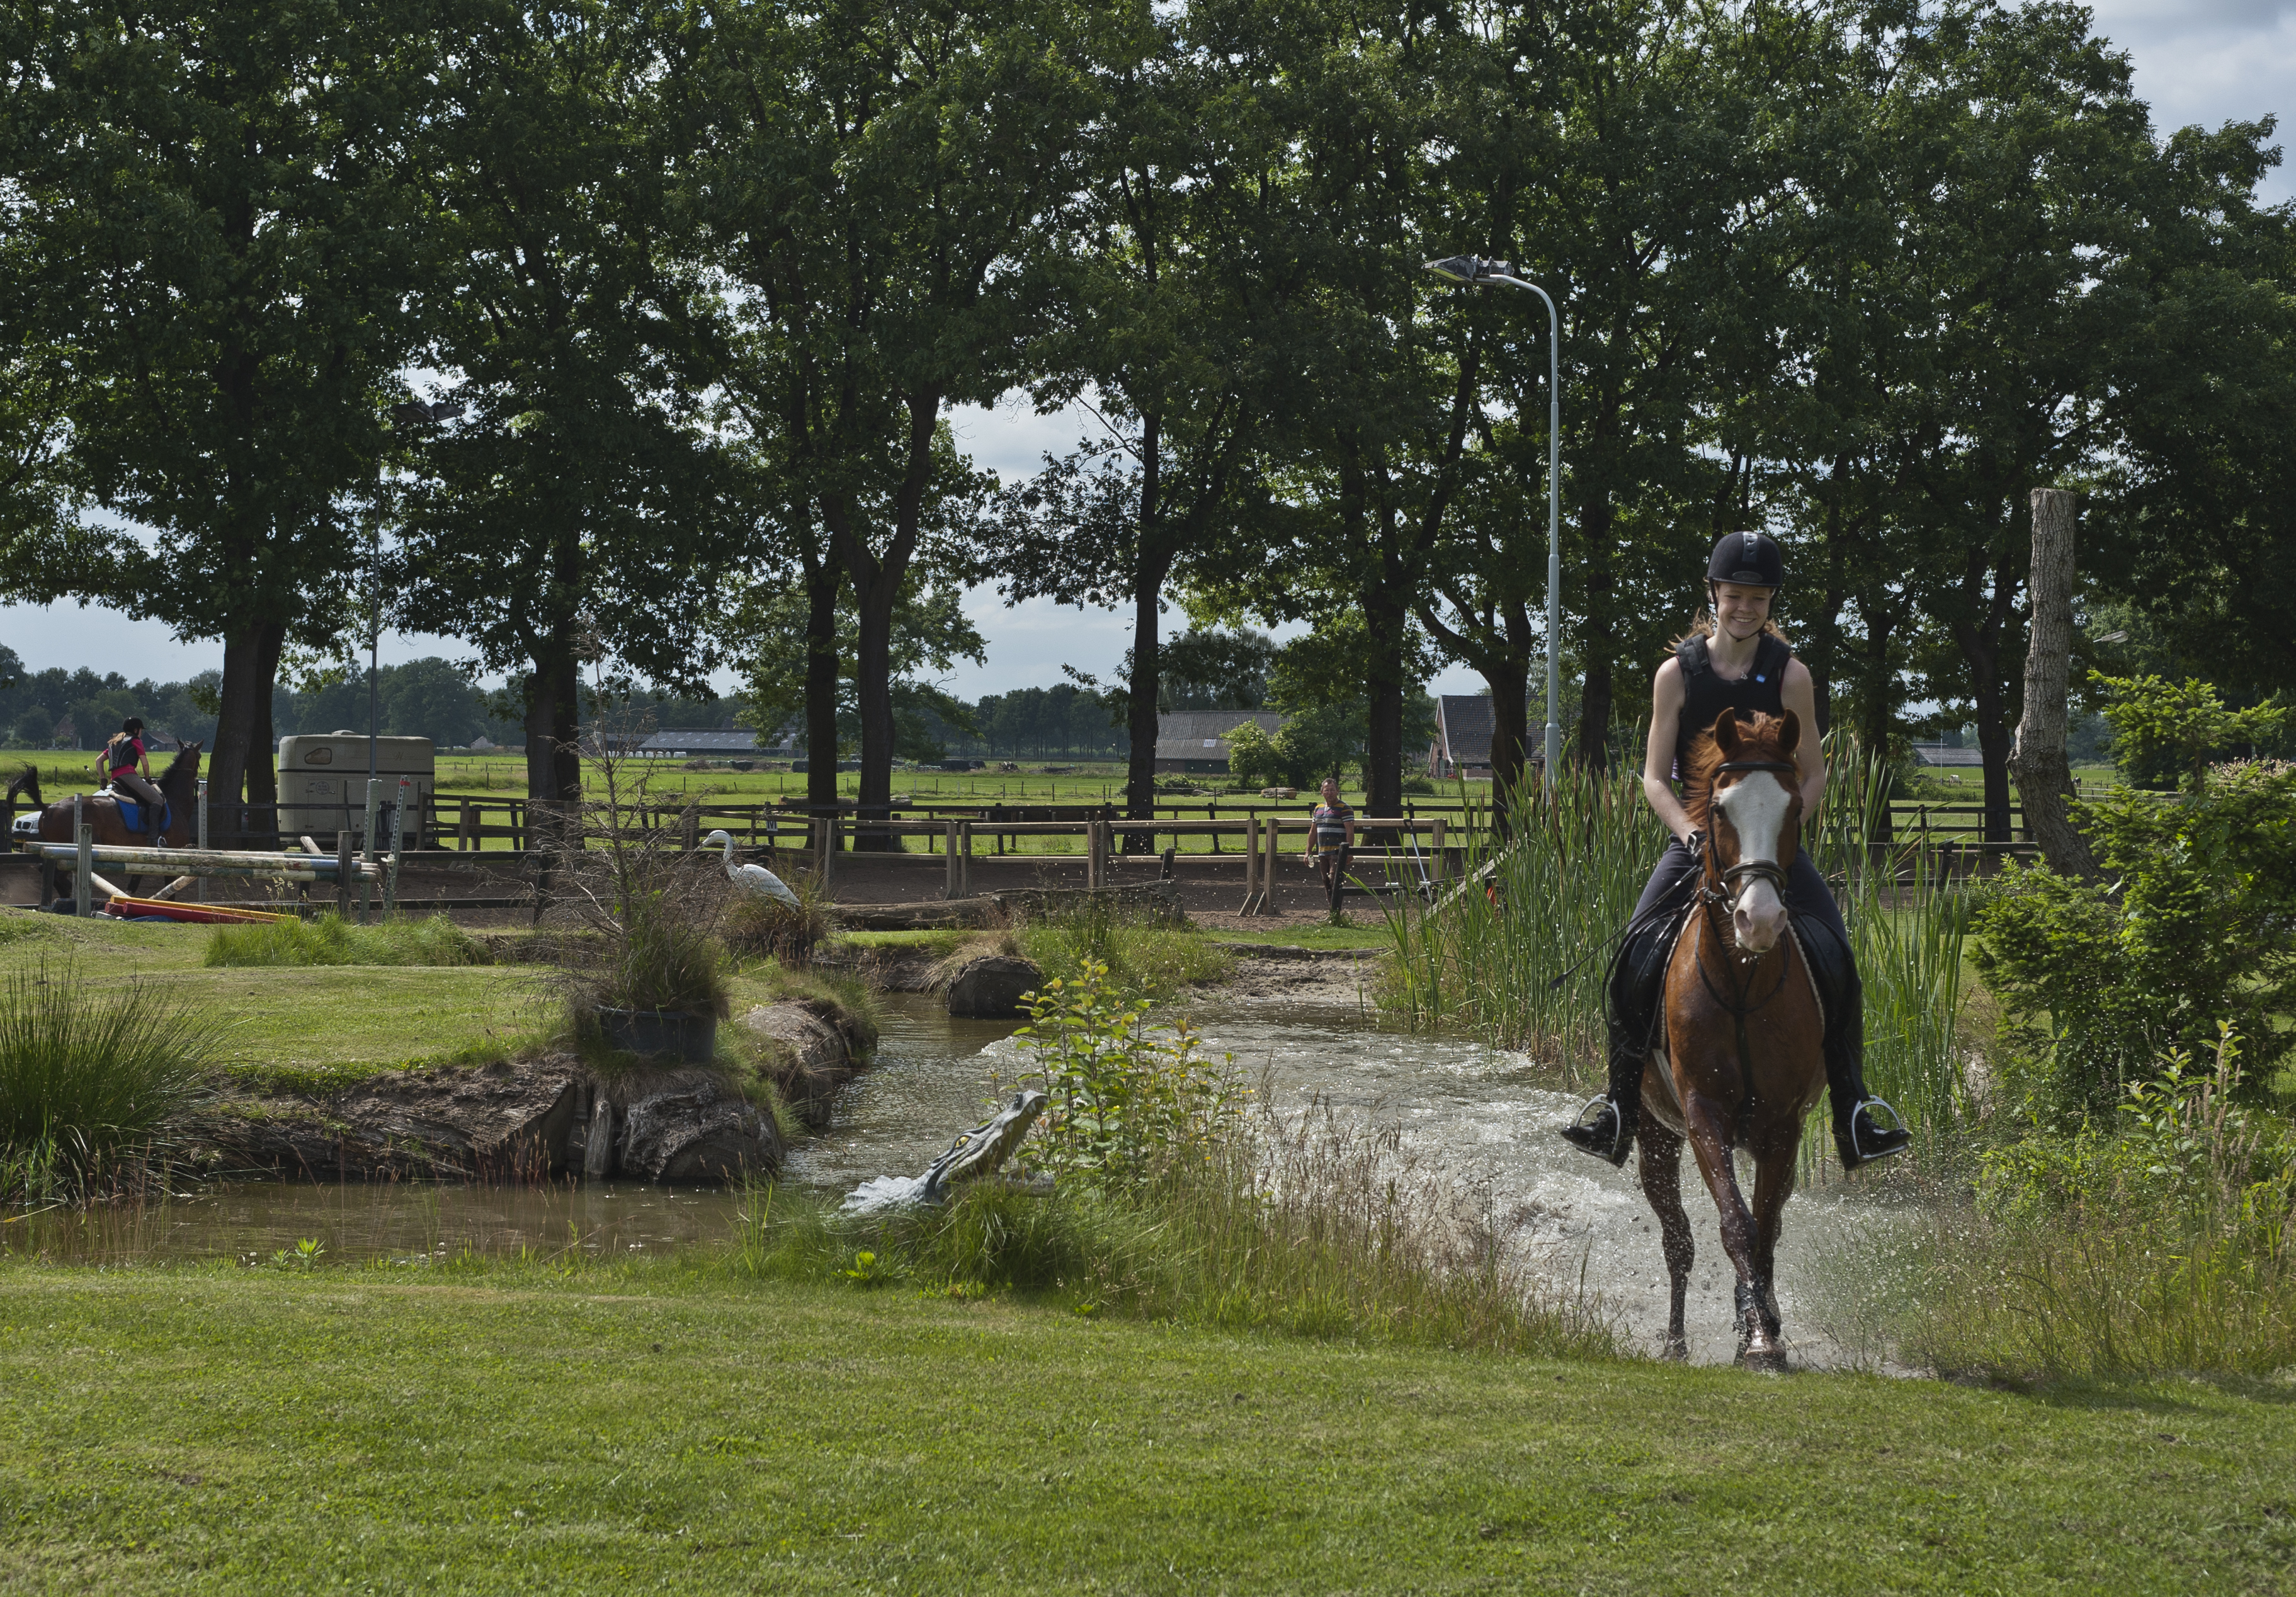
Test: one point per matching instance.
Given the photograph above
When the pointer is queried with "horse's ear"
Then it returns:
(1790, 735)
(1725, 733)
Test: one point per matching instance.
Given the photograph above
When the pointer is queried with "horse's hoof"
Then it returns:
(1763, 1360)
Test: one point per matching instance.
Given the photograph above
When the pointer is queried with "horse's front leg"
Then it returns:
(1662, 1173)
(1777, 1152)
(1710, 1124)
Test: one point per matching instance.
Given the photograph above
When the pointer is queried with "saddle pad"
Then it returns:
(131, 812)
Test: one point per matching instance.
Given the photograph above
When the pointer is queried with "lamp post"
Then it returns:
(1471, 271)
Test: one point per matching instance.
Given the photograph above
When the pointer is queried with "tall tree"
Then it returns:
(1168, 330)
(572, 510)
(887, 174)
(216, 199)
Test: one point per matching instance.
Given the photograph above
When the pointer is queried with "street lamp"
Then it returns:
(1471, 271)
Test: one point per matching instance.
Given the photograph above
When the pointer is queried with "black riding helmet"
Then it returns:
(133, 724)
(1750, 558)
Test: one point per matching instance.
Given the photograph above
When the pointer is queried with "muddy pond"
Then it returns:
(1483, 1115)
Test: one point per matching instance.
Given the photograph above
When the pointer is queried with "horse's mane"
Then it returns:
(183, 769)
(1764, 738)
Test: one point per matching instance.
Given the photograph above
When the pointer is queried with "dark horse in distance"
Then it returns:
(179, 782)
(1741, 1059)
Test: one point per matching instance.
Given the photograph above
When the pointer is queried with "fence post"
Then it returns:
(366, 846)
(964, 860)
(949, 888)
(343, 874)
(1438, 872)
(83, 863)
(199, 886)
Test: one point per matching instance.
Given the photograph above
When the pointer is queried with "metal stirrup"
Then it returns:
(1601, 1101)
(1865, 1107)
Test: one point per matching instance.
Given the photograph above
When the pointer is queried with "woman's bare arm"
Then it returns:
(1658, 756)
(1799, 692)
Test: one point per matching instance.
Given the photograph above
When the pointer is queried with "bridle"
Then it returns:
(1716, 895)
(1760, 870)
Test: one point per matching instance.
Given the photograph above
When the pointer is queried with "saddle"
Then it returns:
(131, 810)
(1636, 979)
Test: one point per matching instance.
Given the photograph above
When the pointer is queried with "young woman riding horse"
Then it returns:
(1738, 665)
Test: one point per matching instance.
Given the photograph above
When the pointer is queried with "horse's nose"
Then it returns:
(1758, 920)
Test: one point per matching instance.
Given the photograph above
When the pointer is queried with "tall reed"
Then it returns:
(1907, 920)
(1518, 954)
(85, 1074)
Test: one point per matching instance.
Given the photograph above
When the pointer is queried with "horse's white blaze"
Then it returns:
(1757, 808)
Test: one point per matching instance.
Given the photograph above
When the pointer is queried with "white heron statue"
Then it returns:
(751, 879)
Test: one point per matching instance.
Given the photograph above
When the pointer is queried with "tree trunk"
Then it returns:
(2045, 778)
(1981, 647)
(1152, 564)
(263, 744)
(1383, 679)
(877, 578)
(873, 689)
(1147, 669)
(554, 723)
(822, 582)
(251, 660)
(1509, 733)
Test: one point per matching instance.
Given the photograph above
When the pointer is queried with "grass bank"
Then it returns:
(509, 1429)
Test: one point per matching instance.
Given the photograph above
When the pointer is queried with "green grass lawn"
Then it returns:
(308, 1026)
(1365, 931)
(670, 1429)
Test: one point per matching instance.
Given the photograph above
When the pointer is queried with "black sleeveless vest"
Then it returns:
(1705, 696)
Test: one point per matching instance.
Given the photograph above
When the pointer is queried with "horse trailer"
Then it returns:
(322, 785)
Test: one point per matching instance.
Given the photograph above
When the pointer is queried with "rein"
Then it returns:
(1712, 896)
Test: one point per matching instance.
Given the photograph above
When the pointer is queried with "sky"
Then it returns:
(2196, 60)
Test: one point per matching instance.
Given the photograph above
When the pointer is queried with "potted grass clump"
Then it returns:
(660, 991)
(651, 982)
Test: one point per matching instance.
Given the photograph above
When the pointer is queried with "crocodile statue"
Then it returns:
(972, 1155)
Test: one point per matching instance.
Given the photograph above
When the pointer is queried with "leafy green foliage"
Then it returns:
(2196, 925)
(1132, 1097)
(2164, 728)
(2159, 1235)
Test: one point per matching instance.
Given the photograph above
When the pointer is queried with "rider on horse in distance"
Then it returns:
(129, 770)
(1736, 662)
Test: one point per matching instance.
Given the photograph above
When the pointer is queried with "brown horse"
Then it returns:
(1742, 1058)
(180, 782)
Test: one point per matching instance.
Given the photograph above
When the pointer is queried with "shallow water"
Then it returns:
(1484, 1114)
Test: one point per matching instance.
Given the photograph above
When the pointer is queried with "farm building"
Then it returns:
(1464, 725)
(1195, 741)
(741, 743)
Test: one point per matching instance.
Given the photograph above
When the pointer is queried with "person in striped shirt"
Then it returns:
(1331, 839)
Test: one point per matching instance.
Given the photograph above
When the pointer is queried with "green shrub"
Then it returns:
(657, 959)
(2195, 924)
(758, 925)
(87, 1073)
(1131, 1097)
(331, 940)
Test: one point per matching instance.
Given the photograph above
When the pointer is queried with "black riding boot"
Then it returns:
(1858, 1136)
(1608, 1131)
(1605, 1127)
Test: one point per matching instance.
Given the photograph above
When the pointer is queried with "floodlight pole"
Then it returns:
(1471, 271)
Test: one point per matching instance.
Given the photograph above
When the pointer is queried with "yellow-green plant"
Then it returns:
(1131, 1097)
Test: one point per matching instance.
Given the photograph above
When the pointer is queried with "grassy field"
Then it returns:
(506, 1429)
